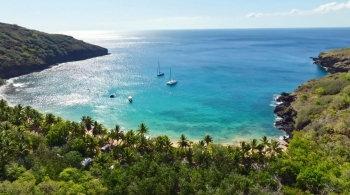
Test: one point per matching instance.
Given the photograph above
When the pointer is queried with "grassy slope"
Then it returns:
(323, 107)
(339, 53)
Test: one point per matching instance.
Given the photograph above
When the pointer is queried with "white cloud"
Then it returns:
(329, 7)
(177, 19)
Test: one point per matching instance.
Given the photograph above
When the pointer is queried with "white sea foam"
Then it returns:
(276, 96)
(283, 136)
(19, 84)
(278, 118)
(274, 103)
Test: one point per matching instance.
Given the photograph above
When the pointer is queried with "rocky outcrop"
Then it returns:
(285, 112)
(23, 51)
(334, 61)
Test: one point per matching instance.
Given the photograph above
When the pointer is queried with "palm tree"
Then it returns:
(23, 150)
(245, 147)
(37, 121)
(76, 129)
(260, 147)
(59, 119)
(50, 119)
(5, 126)
(95, 129)
(274, 148)
(183, 142)
(130, 138)
(128, 155)
(18, 108)
(142, 130)
(115, 134)
(264, 140)
(7, 144)
(253, 144)
(4, 158)
(168, 148)
(87, 120)
(28, 112)
(3, 104)
(83, 118)
(208, 139)
(91, 144)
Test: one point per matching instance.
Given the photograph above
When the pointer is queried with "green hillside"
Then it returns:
(23, 51)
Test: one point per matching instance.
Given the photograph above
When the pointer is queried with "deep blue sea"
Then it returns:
(227, 80)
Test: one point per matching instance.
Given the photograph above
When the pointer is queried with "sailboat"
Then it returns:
(171, 81)
(158, 71)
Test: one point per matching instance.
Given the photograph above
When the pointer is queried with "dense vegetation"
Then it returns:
(42, 154)
(23, 50)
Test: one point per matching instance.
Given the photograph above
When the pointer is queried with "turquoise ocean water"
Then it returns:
(227, 80)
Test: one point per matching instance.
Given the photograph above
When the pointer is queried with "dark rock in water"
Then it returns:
(285, 97)
(286, 113)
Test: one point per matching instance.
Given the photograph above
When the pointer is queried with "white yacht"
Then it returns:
(171, 81)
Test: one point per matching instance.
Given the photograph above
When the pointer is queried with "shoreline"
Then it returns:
(231, 142)
(41, 67)
(237, 143)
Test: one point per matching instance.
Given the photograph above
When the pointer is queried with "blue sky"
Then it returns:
(64, 15)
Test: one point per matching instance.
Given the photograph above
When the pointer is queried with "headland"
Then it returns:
(23, 51)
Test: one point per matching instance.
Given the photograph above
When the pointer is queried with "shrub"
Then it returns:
(25, 55)
(324, 100)
(331, 112)
(340, 102)
(319, 91)
(330, 87)
(302, 120)
(341, 128)
(304, 116)
(303, 97)
(346, 90)
(321, 54)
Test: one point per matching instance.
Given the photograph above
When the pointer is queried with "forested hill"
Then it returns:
(23, 51)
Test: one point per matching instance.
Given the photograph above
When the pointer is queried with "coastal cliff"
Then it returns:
(334, 60)
(320, 105)
(23, 51)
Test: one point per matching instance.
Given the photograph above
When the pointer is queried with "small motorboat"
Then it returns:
(112, 95)
(130, 99)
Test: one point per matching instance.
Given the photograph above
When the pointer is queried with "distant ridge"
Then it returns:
(23, 51)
